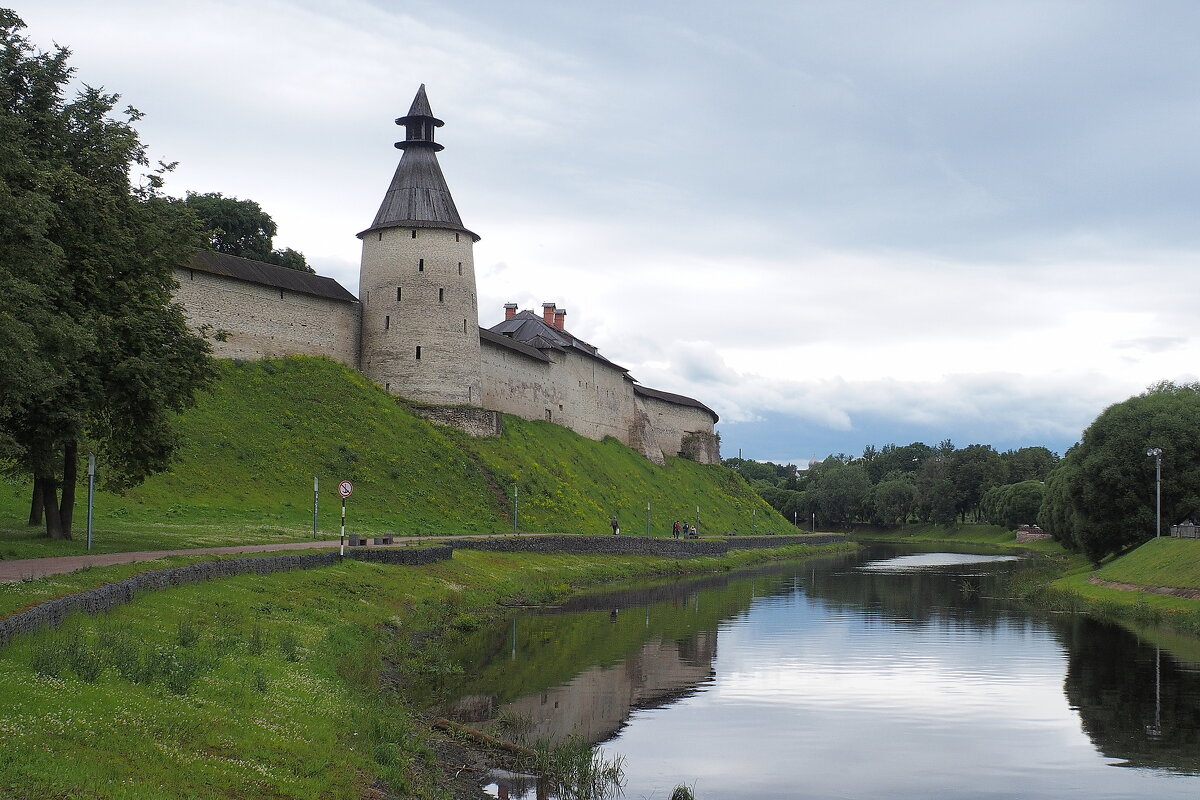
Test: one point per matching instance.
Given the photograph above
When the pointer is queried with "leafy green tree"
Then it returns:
(893, 499)
(973, 470)
(890, 459)
(1106, 482)
(1028, 464)
(937, 498)
(1056, 515)
(840, 492)
(241, 228)
(99, 353)
(1013, 504)
(1022, 503)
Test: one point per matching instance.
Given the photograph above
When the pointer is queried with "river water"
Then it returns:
(891, 674)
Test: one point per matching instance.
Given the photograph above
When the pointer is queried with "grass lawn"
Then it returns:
(254, 442)
(991, 535)
(267, 686)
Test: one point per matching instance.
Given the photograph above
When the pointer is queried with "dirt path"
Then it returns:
(25, 569)
(1190, 594)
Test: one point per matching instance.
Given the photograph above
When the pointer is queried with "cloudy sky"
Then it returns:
(837, 223)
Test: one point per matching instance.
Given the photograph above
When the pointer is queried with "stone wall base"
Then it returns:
(701, 447)
(478, 422)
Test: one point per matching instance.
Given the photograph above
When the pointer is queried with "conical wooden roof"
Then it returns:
(418, 196)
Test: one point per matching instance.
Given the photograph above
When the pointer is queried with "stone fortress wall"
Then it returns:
(589, 396)
(415, 331)
(249, 320)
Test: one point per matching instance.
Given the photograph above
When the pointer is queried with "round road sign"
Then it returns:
(345, 488)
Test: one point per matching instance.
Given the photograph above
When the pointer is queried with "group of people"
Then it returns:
(679, 528)
(687, 530)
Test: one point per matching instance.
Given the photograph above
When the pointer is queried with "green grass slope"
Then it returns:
(254, 442)
(1164, 561)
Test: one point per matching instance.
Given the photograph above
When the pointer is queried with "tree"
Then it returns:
(898, 459)
(1013, 504)
(893, 499)
(1100, 499)
(1028, 464)
(973, 470)
(840, 492)
(937, 499)
(241, 228)
(93, 351)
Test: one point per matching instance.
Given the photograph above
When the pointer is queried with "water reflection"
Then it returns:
(898, 678)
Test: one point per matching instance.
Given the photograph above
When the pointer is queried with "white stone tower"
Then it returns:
(420, 312)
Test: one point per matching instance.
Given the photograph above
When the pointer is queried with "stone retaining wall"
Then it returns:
(741, 542)
(637, 545)
(606, 545)
(109, 596)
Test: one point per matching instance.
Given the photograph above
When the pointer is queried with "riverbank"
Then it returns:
(1154, 588)
(282, 685)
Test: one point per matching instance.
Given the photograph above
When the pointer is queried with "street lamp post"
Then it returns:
(1157, 453)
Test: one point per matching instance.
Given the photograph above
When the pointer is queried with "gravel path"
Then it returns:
(1190, 594)
(29, 568)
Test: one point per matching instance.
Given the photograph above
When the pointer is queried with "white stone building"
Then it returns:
(414, 329)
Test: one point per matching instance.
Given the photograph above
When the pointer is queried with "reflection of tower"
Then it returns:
(420, 317)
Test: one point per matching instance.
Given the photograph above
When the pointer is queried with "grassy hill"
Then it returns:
(254, 442)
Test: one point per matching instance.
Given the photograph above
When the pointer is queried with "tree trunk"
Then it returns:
(66, 509)
(35, 505)
(54, 528)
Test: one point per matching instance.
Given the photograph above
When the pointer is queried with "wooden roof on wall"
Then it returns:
(677, 399)
(245, 269)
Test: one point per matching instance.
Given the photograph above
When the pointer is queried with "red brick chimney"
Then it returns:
(510, 310)
(560, 318)
(548, 314)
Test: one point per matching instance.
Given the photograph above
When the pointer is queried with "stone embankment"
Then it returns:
(109, 596)
(637, 545)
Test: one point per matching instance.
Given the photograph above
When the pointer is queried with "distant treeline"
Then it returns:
(893, 484)
(1135, 471)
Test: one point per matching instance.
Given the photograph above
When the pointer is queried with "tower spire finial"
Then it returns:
(419, 123)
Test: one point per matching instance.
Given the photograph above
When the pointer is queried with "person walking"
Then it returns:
(675, 530)
(616, 526)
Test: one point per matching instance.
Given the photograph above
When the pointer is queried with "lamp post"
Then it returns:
(1157, 453)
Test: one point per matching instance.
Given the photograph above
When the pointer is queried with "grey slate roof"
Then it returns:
(245, 269)
(530, 329)
(503, 341)
(527, 333)
(677, 399)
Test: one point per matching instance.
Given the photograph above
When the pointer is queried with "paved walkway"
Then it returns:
(24, 569)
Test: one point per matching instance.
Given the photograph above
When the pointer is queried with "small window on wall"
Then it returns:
(460, 268)
(464, 326)
(191, 274)
(548, 415)
(387, 387)
(418, 352)
(414, 233)
(441, 295)
(420, 265)
(387, 323)
(281, 294)
(456, 237)
(398, 294)
(380, 239)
